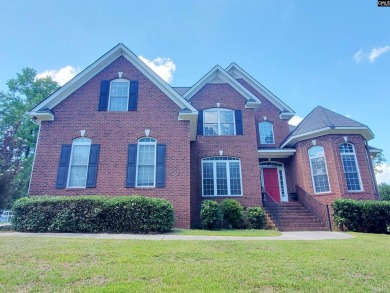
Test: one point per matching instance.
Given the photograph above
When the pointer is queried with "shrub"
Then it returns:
(256, 217)
(93, 214)
(232, 213)
(362, 216)
(211, 215)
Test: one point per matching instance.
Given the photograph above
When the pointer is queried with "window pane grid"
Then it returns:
(218, 122)
(146, 162)
(78, 167)
(119, 94)
(318, 169)
(221, 176)
(351, 170)
(266, 132)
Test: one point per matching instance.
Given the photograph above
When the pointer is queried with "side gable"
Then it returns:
(219, 75)
(237, 72)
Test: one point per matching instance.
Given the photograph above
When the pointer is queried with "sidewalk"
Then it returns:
(301, 235)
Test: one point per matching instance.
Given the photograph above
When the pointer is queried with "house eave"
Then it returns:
(286, 115)
(275, 153)
(193, 118)
(38, 117)
(363, 131)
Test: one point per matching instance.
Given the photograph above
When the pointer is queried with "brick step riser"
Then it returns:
(302, 229)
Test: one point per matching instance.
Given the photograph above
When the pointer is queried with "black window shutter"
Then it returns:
(160, 171)
(93, 165)
(133, 95)
(63, 166)
(238, 117)
(131, 165)
(200, 123)
(104, 92)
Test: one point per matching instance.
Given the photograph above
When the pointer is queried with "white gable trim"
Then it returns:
(237, 72)
(219, 74)
(80, 79)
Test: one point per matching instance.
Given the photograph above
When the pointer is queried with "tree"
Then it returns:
(378, 160)
(17, 133)
(384, 191)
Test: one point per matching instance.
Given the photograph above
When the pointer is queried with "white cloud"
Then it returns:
(62, 75)
(385, 175)
(376, 52)
(164, 67)
(358, 56)
(295, 120)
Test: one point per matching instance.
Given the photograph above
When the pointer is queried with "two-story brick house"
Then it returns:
(118, 129)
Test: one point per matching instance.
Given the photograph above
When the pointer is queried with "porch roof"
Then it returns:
(275, 153)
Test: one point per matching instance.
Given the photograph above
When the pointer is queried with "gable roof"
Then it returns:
(218, 75)
(321, 121)
(84, 76)
(237, 72)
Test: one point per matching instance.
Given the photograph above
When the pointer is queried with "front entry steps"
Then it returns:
(292, 216)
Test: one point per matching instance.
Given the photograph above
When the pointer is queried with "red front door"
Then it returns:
(271, 183)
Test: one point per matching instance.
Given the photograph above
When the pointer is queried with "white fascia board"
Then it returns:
(286, 115)
(221, 73)
(100, 64)
(376, 151)
(260, 88)
(363, 131)
(41, 116)
(251, 105)
(276, 154)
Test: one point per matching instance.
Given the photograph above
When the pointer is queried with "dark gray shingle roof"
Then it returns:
(320, 118)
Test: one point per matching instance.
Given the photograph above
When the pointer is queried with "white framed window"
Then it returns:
(218, 121)
(319, 171)
(79, 160)
(351, 169)
(119, 95)
(266, 131)
(221, 176)
(146, 162)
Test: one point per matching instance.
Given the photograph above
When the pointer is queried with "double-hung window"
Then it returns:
(146, 164)
(221, 176)
(351, 169)
(119, 95)
(266, 131)
(79, 161)
(218, 121)
(318, 168)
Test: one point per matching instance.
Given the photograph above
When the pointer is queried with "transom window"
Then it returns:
(221, 176)
(218, 121)
(79, 160)
(351, 169)
(266, 130)
(146, 162)
(318, 168)
(119, 95)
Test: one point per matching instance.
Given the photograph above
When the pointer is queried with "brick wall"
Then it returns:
(114, 131)
(334, 164)
(240, 146)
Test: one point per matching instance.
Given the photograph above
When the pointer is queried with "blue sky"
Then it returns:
(330, 53)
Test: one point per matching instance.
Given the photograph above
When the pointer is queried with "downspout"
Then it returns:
(35, 121)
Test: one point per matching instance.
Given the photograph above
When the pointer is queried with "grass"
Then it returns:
(96, 265)
(243, 232)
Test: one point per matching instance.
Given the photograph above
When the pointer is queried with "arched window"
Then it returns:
(119, 95)
(351, 169)
(218, 121)
(221, 176)
(266, 130)
(146, 162)
(319, 172)
(79, 161)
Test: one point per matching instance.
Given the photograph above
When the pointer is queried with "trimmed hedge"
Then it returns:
(230, 214)
(93, 214)
(361, 215)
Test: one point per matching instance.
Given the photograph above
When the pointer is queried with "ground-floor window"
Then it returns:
(221, 176)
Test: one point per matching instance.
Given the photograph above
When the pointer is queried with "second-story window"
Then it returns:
(218, 121)
(266, 131)
(119, 95)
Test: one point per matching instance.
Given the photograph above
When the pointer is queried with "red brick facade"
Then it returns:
(158, 113)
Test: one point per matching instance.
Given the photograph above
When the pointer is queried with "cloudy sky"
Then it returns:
(326, 52)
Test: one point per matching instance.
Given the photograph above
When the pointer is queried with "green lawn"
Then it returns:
(243, 232)
(361, 264)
